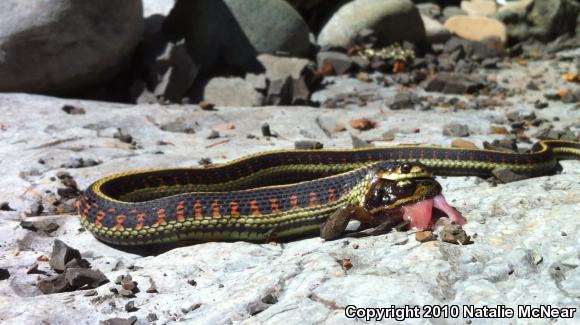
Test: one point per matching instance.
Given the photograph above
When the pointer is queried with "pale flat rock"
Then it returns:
(487, 8)
(223, 91)
(282, 67)
(477, 28)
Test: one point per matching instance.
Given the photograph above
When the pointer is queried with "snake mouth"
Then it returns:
(420, 214)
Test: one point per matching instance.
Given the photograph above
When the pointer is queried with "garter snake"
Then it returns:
(289, 191)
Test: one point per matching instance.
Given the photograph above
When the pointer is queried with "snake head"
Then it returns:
(407, 190)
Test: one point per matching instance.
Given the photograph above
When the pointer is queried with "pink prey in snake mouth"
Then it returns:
(420, 214)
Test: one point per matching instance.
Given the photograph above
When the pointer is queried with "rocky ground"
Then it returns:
(159, 84)
(524, 233)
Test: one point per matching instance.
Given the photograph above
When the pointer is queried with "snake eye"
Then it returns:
(406, 168)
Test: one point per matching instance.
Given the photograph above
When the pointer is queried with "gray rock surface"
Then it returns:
(234, 32)
(60, 46)
(231, 92)
(157, 7)
(525, 233)
(395, 20)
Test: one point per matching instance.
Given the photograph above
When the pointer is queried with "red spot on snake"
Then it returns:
(255, 208)
(161, 217)
(180, 208)
(274, 205)
(313, 199)
(100, 216)
(197, 210)
(112, 210)
(140, 221)
(215, 208)
(234, 209)
(120, 221)
(294, 201)
(331, 194)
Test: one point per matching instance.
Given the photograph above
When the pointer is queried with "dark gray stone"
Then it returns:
(231, 33)
(405, 100)
(53, 284)
(307, 144)
(4, 274)
(120, 321)
(78, 278)
(280, 92)
(175, 73)
(61, 255)
(540, 104)
(456, 130)
(454, 83)
(86, 43)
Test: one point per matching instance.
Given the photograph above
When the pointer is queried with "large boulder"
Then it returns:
(394, 20)
(60, 46)
(233, 32)
(552, 18)
(542, 20)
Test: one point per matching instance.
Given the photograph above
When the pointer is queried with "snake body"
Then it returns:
(289, 191)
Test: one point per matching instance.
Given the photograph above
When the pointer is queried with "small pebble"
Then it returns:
(425, 236)
(307, 145)
(204, 161)
(213, 135)
(130, 307)
(91, 293)
(207, 106)
(346, 263)
(73, 110)
(266, 130)
(540, 104)
(5, 206)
